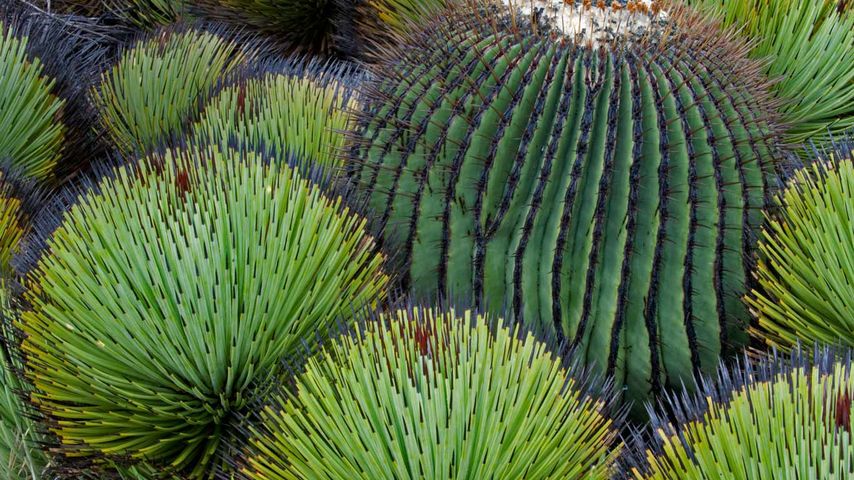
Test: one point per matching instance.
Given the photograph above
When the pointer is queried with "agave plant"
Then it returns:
(808, 45)
(159, 85)
(168, 296)
(806, 272)
(31, 137)
(301, 113)
(431, 394)
(20, 455)
(776, 419)
(604, 190)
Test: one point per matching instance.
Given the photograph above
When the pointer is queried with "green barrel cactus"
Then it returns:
(169, 295)
(159, 85)
(31, 135)
(434, 394)
(778, 419)
(603, 190)
(302, 113)
(805, 287)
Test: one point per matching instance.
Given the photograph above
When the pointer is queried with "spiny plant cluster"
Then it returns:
(444, 239)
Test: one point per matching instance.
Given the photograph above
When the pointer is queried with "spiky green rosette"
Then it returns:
(606, 195)
(31, 137)
(402, 15)
(809, 46)
(166, 300)
(20, 456)
(158, 86)
(431, 394)
(301, 114)
(805, 275)
(780, 419)
(301, 24)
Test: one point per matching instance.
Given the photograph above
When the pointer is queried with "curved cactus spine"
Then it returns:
(604, 189)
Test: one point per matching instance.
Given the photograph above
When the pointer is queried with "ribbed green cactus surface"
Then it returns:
(602, 191)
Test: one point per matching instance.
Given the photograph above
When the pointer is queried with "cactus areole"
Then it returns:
(602, 188)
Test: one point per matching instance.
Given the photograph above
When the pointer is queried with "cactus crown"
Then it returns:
(567, 178)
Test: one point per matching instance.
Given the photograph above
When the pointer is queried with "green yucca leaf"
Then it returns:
(31, 136)
(781, 421)
(167, 298)
(810, 46)
(430, 394)
(806, 269)
(292, 116)
(20, 456)
(159, 85)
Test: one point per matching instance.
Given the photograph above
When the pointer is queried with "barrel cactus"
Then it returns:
(778, 419)
(805, 288)
(31, 137)
(159, 85)
(808, 46)
(604, 190)
(301, 110)
(434, 394)
(170, 293)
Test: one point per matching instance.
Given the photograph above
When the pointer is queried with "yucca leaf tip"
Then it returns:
(805, 275)
(777, 418)
(606, 189)
(170, 294)
(426, 393)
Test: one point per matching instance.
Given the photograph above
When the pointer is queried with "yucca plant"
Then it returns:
(808, 46)
(605, 190)
(403, 15)
(302, 112)
(20, 455)
(786, 419)
(805, 290)
(298, 24)
(31, 135)
(159, 85)
(168, 296)
(425, 393)
(148, 13)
